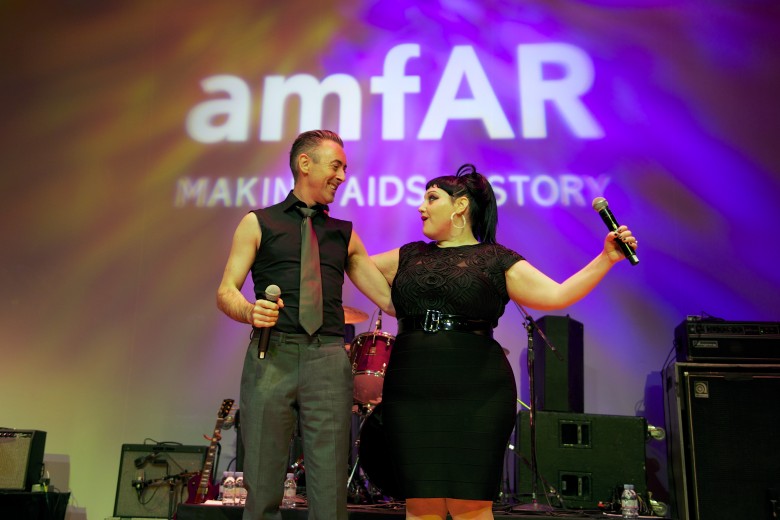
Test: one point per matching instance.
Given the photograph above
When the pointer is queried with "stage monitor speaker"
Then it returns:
(150, 475)
(21, 458)
(724, 453)
(585, 457)
(559, 382)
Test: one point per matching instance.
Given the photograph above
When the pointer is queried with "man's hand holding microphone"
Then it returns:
(265, 314)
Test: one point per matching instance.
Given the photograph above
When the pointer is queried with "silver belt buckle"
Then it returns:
(431, 323)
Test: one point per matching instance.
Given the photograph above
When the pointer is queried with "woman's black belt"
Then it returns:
(434, 321)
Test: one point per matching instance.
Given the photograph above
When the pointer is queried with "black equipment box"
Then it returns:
(727, 342)
(585, 457)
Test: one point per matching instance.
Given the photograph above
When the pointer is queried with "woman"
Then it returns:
(449, 395)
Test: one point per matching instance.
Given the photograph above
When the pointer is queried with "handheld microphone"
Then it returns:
(272, 293)
(600, 205)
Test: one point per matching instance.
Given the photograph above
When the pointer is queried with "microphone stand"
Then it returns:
(530, 326)
(525, 461)
(174, 482)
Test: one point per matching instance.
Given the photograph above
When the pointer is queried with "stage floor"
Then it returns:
(380, 512)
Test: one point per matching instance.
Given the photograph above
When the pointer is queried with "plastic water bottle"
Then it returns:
(629, 503)
(290, 491)
(229, 494)
(240, 490)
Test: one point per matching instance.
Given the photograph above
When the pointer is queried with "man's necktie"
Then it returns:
(310, 311)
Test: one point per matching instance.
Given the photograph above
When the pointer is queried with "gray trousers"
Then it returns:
(306, 376)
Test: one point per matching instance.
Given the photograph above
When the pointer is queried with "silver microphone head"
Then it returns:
(599, 203)
(272, 293)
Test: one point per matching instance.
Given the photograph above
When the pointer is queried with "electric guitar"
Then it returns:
(200, 487)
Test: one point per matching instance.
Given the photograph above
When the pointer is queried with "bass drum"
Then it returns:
(374, 457)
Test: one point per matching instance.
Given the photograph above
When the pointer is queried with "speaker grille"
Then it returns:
(724, 453)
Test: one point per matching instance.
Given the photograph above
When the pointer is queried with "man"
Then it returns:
(301, 374)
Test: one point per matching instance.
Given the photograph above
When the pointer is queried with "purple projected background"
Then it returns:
(120, 195)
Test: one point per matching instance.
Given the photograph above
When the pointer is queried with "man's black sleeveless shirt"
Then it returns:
(278, 261)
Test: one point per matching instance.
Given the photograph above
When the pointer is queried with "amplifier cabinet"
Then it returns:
(151, 475)
(724, 452)
(21, 458)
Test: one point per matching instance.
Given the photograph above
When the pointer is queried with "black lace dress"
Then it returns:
(449, 398)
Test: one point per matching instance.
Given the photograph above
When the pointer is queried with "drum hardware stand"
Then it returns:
(363, 490)
(530, 326)
(369, 409)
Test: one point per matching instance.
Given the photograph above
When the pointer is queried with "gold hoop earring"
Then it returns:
(452, 219)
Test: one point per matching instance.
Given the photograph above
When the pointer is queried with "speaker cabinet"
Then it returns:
(585, 457)
(150, 474)
(722, 424)
(21, 458)
(559, 382)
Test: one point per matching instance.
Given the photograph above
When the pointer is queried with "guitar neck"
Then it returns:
(208, 465)
(202, 492)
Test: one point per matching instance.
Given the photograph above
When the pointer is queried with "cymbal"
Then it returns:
(352, 315)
